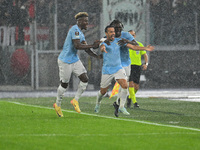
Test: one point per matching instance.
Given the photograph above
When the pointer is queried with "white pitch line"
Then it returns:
(99, 135)
(186, 99)
(196, 96)
(121, 119)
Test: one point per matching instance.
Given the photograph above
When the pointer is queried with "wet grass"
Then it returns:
(31, 123)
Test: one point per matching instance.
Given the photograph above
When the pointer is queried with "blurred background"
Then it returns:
(32, 34)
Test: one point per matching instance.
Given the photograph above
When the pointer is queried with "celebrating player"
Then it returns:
(112, 67)
(69, 62)
(124, 52)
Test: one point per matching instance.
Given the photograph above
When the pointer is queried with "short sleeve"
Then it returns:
(75, 34)
(129, 37)
(102, 43)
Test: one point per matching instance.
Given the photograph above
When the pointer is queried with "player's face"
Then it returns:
(133, 34)
(118, 30)
(84, 23)
(110, 34)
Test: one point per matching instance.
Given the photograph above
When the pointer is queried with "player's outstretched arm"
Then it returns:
(93, 54)
(139, 48)
(84, 46)
(125, 41)
(150, 48)
(96, 44)
(133, 42)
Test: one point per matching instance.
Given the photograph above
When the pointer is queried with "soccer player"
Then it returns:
(136, 66)
(112, 68)
(124, 52)
(69, 62)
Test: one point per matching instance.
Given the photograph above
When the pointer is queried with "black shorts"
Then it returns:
(135, 74)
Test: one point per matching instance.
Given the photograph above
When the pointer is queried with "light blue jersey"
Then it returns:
(124, 51)
(111, 60)
(69, 53)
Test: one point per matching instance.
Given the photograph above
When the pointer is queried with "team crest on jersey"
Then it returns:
(77, 33)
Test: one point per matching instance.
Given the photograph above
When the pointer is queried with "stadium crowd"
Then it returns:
(16, 16)
(172, 21)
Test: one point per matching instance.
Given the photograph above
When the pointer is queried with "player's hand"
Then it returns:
(96, 44)
(123, 42)
(103, 48)
(144, 67)
(150, 48)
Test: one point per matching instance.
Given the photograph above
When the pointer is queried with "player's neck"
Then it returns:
(118, 36)
(79, 27)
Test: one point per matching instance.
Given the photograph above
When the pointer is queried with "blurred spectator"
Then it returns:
(5, 12)
(21, 20)
(7, 30)
(31, 10)
(14, 18)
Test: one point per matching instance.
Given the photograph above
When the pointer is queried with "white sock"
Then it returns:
(60, 94)
(118, 95)
(123, 95)
(99, 98)
(81, 88)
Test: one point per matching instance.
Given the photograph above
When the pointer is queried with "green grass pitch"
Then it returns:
(159, 124)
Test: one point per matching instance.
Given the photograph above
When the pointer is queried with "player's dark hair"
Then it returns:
(109, 26)
(114, 22)
(132, 31)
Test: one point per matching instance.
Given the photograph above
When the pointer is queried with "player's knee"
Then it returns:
(124, 86)
(103, 91)
(64, 85)
(83, 78)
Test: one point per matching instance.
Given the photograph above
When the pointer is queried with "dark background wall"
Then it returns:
(174, 69)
